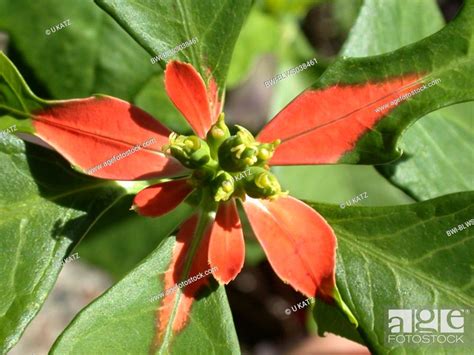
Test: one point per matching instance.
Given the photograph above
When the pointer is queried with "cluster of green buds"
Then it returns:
(191, 151)
(231, 165)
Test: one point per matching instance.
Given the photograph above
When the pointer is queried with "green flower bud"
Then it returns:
(238, 152)
(245, 135)
(266, 151)
(261, 183)
(191, 151)
(223, 186)
(202, 175)
(217, 135)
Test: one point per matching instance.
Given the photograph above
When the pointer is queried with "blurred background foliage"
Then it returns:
(95, 55)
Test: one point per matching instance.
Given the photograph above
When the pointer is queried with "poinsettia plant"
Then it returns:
(195, 174)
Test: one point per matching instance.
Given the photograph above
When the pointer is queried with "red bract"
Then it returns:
(89, 132)
(226, 171)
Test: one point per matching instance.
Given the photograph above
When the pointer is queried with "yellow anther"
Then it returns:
(227, 186)
(238, 150)
(263, 180)
(250, 160)
(192, 143)
(165, 148)
(173, 137)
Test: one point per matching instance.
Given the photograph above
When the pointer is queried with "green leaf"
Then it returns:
(331, 319)
(402, 257)
(163, 25)
(383, 27)
(283, 7)
(90, 55)
(16, 99)
(437, 156)
(432, 165)
(45, 209)
(124, 317)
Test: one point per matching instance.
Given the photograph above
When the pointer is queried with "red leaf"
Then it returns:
(299, 243)
(168, 319)
(187, 90)
(161, 198)
(97, 133)
(226, 245)
(320, 126)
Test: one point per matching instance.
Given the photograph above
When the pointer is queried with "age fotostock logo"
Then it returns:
(426, 326)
